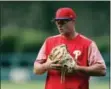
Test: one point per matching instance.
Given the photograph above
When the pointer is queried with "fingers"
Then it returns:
(55, 66)
(55, 61)
(58, 52)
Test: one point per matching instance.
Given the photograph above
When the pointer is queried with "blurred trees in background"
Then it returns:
(25, 25)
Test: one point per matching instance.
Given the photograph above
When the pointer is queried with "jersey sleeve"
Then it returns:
(41, 57)
(94, 55)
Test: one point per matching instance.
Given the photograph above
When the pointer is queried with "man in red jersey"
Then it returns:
(89, 61)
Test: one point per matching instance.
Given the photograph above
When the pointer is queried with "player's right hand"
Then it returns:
(52, 64)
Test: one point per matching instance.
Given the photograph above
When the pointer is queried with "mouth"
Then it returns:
(61, 29)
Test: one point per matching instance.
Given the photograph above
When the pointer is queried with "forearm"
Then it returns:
(94, 70)
(39, 68)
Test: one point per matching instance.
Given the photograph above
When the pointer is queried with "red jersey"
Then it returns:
(82, 48)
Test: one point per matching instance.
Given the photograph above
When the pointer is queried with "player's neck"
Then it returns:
(71, 36)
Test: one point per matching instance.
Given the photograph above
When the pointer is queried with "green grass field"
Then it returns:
(40, 85)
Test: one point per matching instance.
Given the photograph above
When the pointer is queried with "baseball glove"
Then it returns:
(61, 54)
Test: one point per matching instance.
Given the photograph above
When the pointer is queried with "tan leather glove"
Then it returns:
(61, 54)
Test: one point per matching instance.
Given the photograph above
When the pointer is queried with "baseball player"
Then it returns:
(83, 51)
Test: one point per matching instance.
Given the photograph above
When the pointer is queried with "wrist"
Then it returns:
(46, 66)
(83, 69)
(77, 68)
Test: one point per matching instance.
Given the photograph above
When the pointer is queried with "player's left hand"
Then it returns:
(72, 69)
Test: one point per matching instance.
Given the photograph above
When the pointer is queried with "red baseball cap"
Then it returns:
(65, 13)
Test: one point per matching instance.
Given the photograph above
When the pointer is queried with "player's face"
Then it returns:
(65, 26)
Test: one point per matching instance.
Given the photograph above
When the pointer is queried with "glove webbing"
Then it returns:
(64, 68)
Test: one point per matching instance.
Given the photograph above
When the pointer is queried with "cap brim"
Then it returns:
(55, 19)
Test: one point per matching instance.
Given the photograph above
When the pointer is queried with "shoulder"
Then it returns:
(55, 37)
(86, 40)
(91, 44)
(52, 40)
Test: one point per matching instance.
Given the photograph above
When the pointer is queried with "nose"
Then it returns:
(59, 25)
